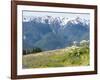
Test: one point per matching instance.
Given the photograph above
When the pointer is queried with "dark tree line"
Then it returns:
(30, 51)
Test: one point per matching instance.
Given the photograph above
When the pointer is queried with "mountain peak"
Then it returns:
(61, 20)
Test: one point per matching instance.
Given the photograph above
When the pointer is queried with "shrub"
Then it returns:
(35, 50)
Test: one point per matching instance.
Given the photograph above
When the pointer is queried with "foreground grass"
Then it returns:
(71, 56)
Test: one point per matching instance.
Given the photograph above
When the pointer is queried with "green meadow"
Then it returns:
(70, 56)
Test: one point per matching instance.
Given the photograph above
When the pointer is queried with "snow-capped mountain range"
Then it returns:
(61, 20)
(49, 33)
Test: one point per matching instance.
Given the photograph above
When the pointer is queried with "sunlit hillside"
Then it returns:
(70, 56)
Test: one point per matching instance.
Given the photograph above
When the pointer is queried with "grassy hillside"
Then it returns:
(71, 56)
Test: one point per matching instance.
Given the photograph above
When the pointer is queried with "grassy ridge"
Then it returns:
(71, 56)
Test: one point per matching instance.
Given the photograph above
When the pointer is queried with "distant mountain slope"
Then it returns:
(50, 33)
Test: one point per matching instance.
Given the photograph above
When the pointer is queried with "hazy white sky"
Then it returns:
(56, 14)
